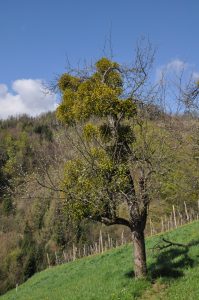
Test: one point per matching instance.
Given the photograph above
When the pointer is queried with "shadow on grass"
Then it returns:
(130, 274)
(170, 263)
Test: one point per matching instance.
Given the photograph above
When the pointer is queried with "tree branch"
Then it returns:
(49, 187)
(115, 221)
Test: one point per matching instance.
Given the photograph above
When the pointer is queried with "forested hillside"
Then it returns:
(34, 224)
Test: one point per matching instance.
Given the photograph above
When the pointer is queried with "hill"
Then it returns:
(173, 274)
(34, 220)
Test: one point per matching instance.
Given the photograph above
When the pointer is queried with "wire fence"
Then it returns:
(105, 242)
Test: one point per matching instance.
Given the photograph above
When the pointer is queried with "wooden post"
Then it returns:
(174, 216)
(74, 252)
(48, 260)
(181, 219)
(162, 224)
(168, 225)
(122, 237)
(165, 221)
(171, 220)
(101, 242)
(56, 258)
(109, 241)
(84, 250)
(186, 212)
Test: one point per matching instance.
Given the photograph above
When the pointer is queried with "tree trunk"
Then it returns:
(140, 267)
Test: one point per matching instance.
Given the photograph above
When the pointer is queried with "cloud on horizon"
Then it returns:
(196, 76)
(174, 66)
(177, 67)
(27, 96)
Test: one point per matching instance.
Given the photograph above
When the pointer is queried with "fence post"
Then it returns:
(101, 242)
(74, 252)
(109, 241)
(186, 212)
(84, 251)
(48, 260)
(122, 237)
(162, 224)
(174, 216)
(56, 258)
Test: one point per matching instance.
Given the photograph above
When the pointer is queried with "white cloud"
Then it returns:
(27, 96)
(196, 76)
(177, 68)
(3, 90)
(174, 66)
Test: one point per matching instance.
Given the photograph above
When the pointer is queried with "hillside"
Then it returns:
(34, 222)
(173, 274)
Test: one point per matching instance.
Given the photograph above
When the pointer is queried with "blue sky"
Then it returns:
(37, 36)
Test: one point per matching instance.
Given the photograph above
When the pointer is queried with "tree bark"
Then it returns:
(140, 267)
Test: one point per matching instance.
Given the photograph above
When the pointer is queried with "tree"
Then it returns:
(112, 166)
(191, 96)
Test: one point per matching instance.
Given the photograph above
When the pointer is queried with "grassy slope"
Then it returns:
(174, 274)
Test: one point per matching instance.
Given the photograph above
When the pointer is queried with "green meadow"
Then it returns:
(173, 273)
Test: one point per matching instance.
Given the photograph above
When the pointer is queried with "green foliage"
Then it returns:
(13, 258)
(44, 131)
(27, 243)
(88, 190)
(30, 266)
(104, 64)
(97, 96)
(67, 81)
(90, 131)
(17, 151)
(106, 70)
(94, 181)
(60, 225)
(22, 140)
(32, 255)
(7, 205)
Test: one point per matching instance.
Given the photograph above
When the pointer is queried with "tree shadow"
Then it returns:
(130, 274)
(170, 262)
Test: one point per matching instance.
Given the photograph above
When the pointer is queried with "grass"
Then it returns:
(173, 274)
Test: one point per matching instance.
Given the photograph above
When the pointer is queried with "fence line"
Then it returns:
(105, 242)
